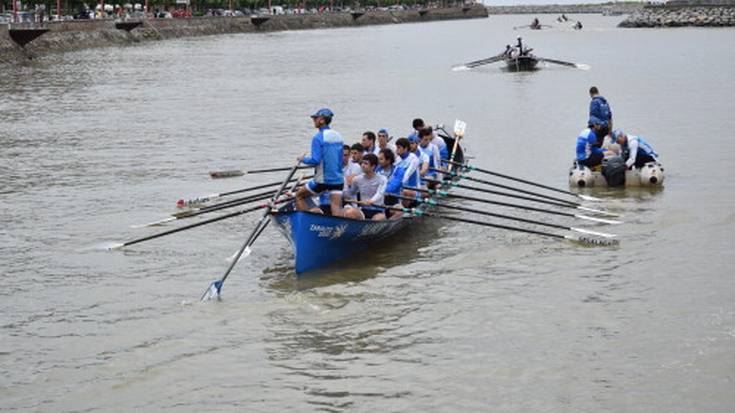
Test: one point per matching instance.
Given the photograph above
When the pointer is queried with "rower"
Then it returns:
(404, 174)
(368, 143)
(430, 150)
(349, 168)
(437, 140)
(325, 156)
(423, 169)
(370, 188)
(386, 159)
(384, 141)
(638, 151)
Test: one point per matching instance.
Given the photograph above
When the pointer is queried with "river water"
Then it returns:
(451, 317)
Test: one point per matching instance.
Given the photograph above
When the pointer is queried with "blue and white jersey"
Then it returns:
(386, 172)
(352, 168)
(404, 174)
(636, 145)
(432, 152)
(443, 149)
(375, 151)
(326, 156)
(587, 144)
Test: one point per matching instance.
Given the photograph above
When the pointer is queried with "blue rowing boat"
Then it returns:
(319, 240)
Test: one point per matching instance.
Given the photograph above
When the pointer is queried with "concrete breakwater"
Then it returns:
(677, 16)
(81, 34)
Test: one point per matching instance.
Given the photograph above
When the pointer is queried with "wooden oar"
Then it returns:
(524, 181)
(495, 184)
(189, 213)
(432, 202)
(215, 288)
(509, 205)
(581, 66)
(579, 238)
(195, 202)
(190, 226)
(476, 63)
(241, 172)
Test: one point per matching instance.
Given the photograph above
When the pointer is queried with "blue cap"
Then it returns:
(385, 131)
(616, 134)
(323, 113)
(413, 138)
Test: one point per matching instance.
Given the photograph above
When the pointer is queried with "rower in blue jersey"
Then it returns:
(326, 156)
(427, 147)
(423, 168)
(437, 140)
(589, 154)
(638, 151)
(386, 159)
(404, 174)
(600, 109)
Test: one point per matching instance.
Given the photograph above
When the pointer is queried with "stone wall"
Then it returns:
(679, 15)
(76, 35)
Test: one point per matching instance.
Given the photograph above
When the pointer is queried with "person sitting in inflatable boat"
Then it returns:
(636, 149)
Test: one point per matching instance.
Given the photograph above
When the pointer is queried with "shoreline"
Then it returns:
(72, 35)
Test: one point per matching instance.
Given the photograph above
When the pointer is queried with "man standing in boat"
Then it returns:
(600, 109)
(326, 157)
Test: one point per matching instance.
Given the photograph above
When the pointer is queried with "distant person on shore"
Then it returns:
(589, 153)
(636, 149)
(600, 109)
(326, 157)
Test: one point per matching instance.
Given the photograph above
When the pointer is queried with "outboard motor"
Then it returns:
(652, 174)
(580, 176)
(613, 169)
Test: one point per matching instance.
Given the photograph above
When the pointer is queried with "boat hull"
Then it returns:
(319, 240)
(521, 63)
(650, 175)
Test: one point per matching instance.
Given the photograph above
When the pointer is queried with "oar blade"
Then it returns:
(226, 174)
(589, 198)
(595, 233)
(600, 220)
(598, 211)
(599, 242)
(213, 292)
(109, 246)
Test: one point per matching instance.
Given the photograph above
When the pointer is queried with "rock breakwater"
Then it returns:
(678, 16)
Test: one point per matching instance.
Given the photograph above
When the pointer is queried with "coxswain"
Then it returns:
(325, 156)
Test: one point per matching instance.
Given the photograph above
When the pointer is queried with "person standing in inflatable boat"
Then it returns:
(635, 148)
(589, 153)
(600, 109)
